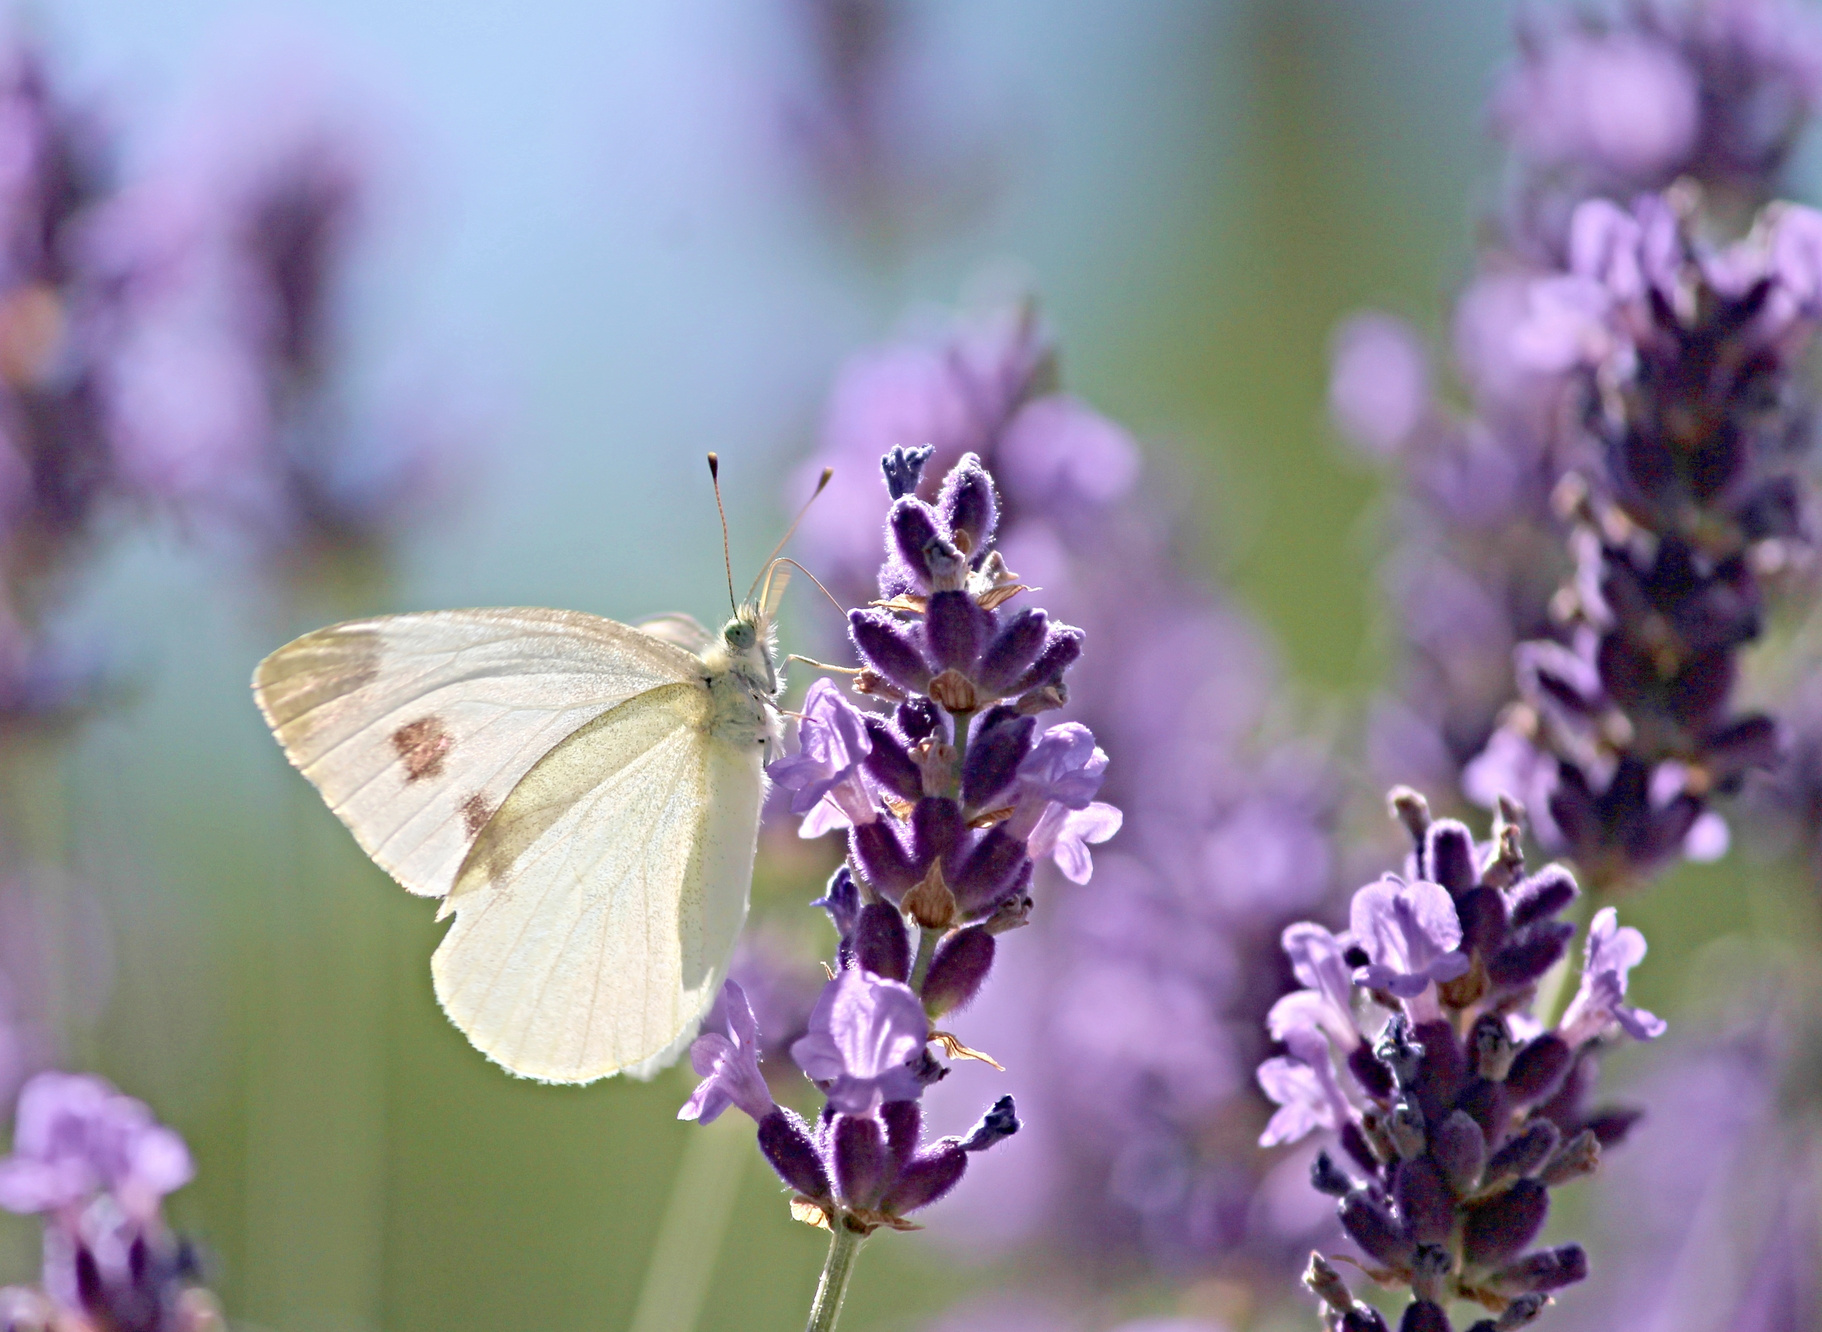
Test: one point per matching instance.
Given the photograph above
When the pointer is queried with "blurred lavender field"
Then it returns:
(324, 309)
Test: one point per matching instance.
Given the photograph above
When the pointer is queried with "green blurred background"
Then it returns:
(582, 237)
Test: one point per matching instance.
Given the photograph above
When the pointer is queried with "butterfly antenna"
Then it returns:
(727, 558)
(765, 569)
(807, 574)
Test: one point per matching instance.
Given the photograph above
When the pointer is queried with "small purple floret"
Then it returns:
(728, 1065)
(864, 1032)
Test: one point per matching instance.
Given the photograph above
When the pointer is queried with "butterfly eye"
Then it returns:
(739, 635)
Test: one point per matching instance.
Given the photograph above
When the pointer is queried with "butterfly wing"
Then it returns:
(596, 911)
(416, 728)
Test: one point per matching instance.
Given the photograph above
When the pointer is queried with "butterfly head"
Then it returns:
(749, 644)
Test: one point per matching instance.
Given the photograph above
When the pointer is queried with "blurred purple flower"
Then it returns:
(1379, 382)
(1621, 100)
(1709, 1216)
(728, 1065)
(74, 1137)
(229, 398)
(864, 1033)
(881, 121)
(97, 1166)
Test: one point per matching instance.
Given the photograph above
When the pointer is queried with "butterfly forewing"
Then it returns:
(416, 728)
(596, 911)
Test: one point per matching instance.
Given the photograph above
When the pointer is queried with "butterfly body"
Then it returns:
(583, 795)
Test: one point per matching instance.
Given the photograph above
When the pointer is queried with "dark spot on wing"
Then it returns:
(422, 746)
(475, 813)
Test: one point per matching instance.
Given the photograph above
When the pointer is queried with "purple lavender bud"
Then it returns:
(886, 645)
(1775, 510)
(969, 508)
(1373, 1228)
(904, 1121)
(1363, 1318)
(1486, 1102)
(1498, 1228)
(890, 764)
(1061, 648)
(1448, 856)
(881, 944)
(1521, 1312)
(1545, 1270)
(784, 1141)
(986, 872)
(918, 542)
(1424, 1316)
(1354, 1142)
(1375, 1078)
(1425, 1200)
(841, 899)
(917, 718)
(1327, 1177)
(1483, 920)
(1444, 1070)
(1524, 1152)
(1460, 1148)
(1538, 1069)
(1529, 953)
(955, 631)
(904, 468)
(1012, 651)
(926, 1179)
(936, 826)
(999, 1123)
(1542, 894)
(1611, 1126)
(1000, 742)
(1754, 742)
(958, 970)
(883, 859)
(863, 1166)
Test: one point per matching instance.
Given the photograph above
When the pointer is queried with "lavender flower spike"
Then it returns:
(728, 1065)
(1612, 951)
(823, 776)
(1410, 934)
(864, 1031)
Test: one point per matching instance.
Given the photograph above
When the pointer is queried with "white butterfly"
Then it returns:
(583, 795)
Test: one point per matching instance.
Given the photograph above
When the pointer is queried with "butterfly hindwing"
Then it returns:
(596, 911)
(416, 728)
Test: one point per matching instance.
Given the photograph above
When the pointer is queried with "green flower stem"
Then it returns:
(844, 1247)
(920, 965)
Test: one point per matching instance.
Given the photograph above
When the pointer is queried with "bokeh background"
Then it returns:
(597, 240)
